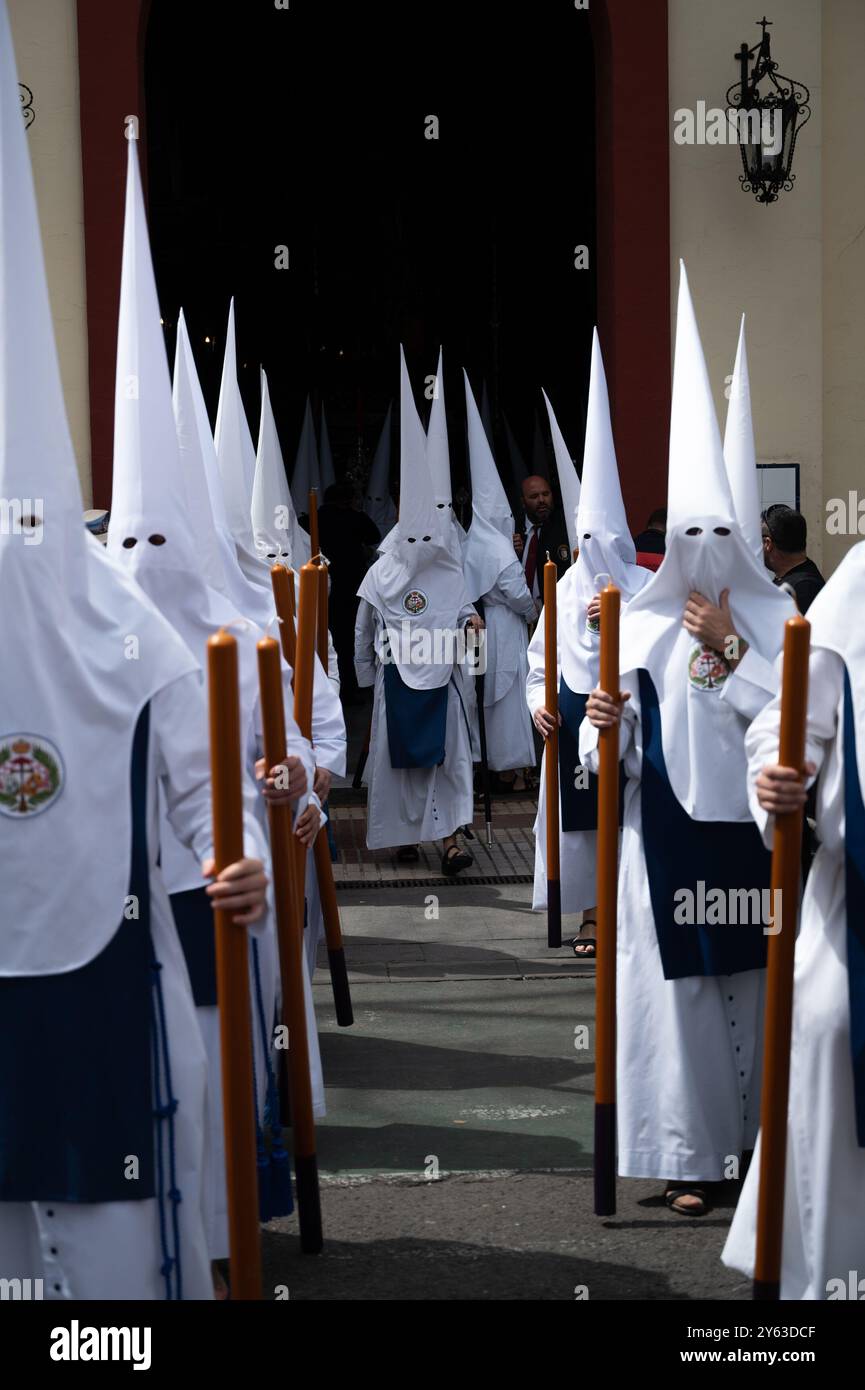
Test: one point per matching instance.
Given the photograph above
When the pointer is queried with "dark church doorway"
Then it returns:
(307, 129)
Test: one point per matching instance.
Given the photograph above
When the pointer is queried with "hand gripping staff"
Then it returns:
(232, 975)
(303, 682)
(289, 929)
(551, 700)
(607, 875)
(786, 859)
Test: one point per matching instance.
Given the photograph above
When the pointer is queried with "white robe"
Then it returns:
(577, 848)
(112, 1250)
(824, 1218)
(409, 805)
(688, 1050)
(507, 609)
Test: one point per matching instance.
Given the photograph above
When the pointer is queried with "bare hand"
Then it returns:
(321, 783)
(593, 612)
(543, 722)
(519, 543)
(475, 622)
(308, 823)
(782, 789)
(603, 710)
(714, 626)
(285, 782)
(240, 889)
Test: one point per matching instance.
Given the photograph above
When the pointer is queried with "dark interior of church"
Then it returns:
(288, 128)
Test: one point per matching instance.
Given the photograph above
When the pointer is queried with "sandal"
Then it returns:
(587, 941)
(454, 859)
(407, 854)
(676, 1190)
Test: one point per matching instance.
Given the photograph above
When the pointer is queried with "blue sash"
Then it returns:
(76, 1096)
(579, 806)
(416, 722)
(854, 821)
(682, 853)
(193, 917)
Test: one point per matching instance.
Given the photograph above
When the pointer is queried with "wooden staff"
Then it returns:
(289, 930)
(232, 975)
(303, 682)
(321, 643)
(607, 875)
(551, 701)
(786, 853)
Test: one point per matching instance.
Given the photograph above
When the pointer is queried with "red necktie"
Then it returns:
(532, 561)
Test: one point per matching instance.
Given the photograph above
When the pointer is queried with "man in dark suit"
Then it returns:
(545, 532)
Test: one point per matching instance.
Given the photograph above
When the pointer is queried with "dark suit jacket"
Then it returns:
(552, 537)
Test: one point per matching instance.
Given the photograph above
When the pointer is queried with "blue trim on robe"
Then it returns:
(416, 722)
(193, 917)
(579, 807)
(854, 843)
(681, 852)
(76, 1095)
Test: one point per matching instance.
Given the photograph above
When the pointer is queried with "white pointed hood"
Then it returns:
(198, 454)
(279, 537)
(200, 518)
(150, 533)
(417, 582)
(70, 696)
(438, 459)
(739, 453)
(701, 734)
(487, 415)
(235, 453)
(379, 503)
(835, 627)
(569, 482)
(327, 472)
(489, 548)
(305, 476)
(603, 538)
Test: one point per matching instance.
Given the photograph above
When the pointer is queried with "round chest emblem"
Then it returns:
(31, 774)
(707, 669)
(563, 554)
(593, 625)
(415, 602)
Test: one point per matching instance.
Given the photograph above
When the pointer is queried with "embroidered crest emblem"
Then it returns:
(707, 669)
(31, 774)
(415, 602)
(563, 552)
(593, 625)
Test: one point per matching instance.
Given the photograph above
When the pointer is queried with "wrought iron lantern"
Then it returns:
(761, 100)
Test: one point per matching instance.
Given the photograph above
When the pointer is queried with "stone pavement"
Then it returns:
(456, 1157)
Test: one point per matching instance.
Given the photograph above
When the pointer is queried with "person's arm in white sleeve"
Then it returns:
(825, 683)
(178, 715)
(328, 725)
(364, 644)
(589, 734)
(535, 680)
(514, 590)
(332, 663)
(751, 686)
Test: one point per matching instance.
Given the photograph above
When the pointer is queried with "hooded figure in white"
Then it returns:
(150, 535)
(697, 645)
(824, 1222)
(410, 627)
(99, 712)
(379, 503)
(279, 536)
(438, 461)
(598, 529)
(495, 577)
(305, 477)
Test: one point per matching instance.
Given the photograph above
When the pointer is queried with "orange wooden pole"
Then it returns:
(232, 975)
(786, 862)
(289, 925)
(607, 883)
(310, 580)
(282, 583)
(551, 762)
(313, 526)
